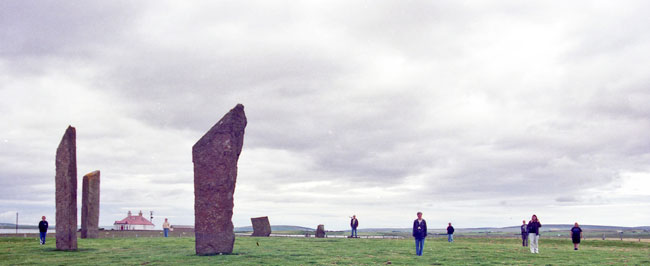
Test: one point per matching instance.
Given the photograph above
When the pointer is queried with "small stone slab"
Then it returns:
(320, 231)
(261, 226)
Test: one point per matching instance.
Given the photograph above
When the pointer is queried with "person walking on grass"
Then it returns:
(450, 233)
(524, 234)
(419, 233)
(166, 227)
(354, 223)
(42, 229)
(533, 233)
(576, 235)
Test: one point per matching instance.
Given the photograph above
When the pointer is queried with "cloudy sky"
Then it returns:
(474, 112)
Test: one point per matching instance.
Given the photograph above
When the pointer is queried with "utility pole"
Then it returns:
(16, 222)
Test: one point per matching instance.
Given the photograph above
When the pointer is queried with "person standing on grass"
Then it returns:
(524, 234)
(354, 223)
(419, 233)
(166, 227)
(533, 233)
(450, 233)
(576, 235)
(42, 229)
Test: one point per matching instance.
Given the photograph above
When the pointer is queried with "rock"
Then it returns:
(261, 226)
(66, 191)
(215, 158)
(90, 205)
(320, 231)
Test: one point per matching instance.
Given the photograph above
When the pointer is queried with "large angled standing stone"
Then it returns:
(261, 226)
(90, 205)
(66, 191)
(215, 158)
(320, 231)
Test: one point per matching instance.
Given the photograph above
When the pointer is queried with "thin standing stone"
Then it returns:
(215, 158)
(90, 205)
(66, 191)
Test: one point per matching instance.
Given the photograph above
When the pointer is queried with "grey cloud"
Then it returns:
(54, 28)
(566, 199)
(366, 96)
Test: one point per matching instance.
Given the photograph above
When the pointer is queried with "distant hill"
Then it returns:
(545, 228)
(20, 226)
(275, 228)
(565, 227)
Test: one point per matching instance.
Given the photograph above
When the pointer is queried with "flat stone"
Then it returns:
(66, 191)
(215, 158)
(261, 226)
(90, 205)
(320, 231)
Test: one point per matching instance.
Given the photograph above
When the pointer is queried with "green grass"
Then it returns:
(311, 251)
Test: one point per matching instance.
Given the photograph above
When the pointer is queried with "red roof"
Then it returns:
(135, 220)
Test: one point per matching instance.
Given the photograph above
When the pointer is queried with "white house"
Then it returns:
(133, 223)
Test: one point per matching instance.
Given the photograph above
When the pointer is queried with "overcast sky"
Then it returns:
(478, 113)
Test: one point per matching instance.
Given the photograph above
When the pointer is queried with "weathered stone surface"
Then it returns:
(320, 231)
(66, 191)
(215, 158)
(90, 205)
(261, 226)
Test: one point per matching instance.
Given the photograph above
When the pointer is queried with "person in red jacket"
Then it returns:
(354, 223)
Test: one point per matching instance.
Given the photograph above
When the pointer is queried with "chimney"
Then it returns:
(129, 214)
(140, 213)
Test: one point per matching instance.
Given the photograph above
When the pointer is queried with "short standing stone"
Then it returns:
(215, 158)
(320, 231)
(66, 191)
(261, 226)
(90, 205)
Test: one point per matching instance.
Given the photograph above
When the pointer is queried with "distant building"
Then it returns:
(133, 223)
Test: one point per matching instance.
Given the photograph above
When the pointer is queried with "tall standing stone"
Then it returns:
(320, 231)
(261, 226)
(215, 158)
(66, 191)
(90, 205)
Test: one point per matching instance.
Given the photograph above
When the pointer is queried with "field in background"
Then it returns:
(304, 251)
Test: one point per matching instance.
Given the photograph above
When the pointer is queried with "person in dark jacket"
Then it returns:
(42, 229)
(533, 233)
(524, 234)
(354, 223)
(576, 235)
(450, 233)
(419, 233)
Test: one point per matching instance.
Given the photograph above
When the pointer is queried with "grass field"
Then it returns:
(311, 251)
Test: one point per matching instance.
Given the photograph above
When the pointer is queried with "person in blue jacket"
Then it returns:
(533, 233)
(419, 233)
(576, 235)
(450, 233)
(524, 234)
(42, 229)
